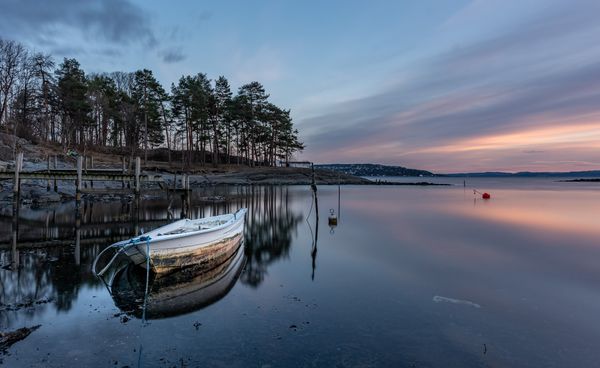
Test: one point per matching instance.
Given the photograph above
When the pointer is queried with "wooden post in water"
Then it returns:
(55, 167)
(136, 215)
(18, 167)
(339, 196)
(48, 170)
(78, 236)
(184, 196)
(15, 233)
(137, 175)
(123, 171)
(79, 179)
(188, 194)
(313, 184)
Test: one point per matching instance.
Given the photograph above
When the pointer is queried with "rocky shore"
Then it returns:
(38, 192)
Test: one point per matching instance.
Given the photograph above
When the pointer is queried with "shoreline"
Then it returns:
(36, 191)
(585, 180)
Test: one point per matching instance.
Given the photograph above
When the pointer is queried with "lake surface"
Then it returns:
(410, 277)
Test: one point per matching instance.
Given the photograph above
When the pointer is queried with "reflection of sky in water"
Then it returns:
(395, 284)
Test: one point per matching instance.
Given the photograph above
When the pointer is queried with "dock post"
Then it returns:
(16, 203)
(48, 181)
(313, 185)
(137, 175)
(79, 178)
(136, 215)
(92, 162)
(85, 158)
(124, 171)
(18, 167)
(15, 234)
(78, 236)
(184, 206)
(55, 167)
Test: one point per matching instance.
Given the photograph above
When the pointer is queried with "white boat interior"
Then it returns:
(188, 227)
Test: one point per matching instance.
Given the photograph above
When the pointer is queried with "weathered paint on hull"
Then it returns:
(163, 262)
(196, 250)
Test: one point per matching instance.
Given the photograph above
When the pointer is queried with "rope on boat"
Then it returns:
(121, 248)
(147, 277)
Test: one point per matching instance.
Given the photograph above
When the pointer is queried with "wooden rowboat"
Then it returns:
(183, 243)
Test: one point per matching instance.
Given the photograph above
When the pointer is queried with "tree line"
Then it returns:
(131, 112)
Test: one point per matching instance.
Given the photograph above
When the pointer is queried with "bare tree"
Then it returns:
(12, 55)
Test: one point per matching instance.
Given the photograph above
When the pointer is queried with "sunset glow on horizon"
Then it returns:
(492, 94)
(454, 86)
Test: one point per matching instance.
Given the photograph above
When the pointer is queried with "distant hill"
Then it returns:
(374, 170)
(527, 174)
(385, 170)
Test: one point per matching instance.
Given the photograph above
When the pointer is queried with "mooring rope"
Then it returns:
(144, 324)
(147, 278)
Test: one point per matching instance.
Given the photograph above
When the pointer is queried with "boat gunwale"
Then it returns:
(232, 221)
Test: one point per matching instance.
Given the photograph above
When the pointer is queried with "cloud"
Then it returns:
(172, 55)
(543, 73)
(116, 21)
(533, 151)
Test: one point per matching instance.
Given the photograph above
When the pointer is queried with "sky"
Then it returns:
(446, 86)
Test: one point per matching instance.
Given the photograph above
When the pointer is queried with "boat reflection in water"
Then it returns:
(177, 293)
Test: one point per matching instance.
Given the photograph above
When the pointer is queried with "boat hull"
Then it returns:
(177, 293)
(195, 250)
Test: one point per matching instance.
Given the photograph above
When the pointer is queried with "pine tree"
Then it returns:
(71, 90)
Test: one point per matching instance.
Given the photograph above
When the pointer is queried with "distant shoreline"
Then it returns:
(586, 180)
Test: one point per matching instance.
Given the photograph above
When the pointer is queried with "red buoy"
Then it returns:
(486, 196)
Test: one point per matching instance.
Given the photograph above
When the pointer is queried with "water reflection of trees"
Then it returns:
(269, 231)
(43, 277)
(55, 246)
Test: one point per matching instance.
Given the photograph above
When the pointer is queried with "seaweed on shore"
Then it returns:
(7, 339)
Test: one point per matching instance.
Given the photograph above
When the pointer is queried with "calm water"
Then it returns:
(411, 276)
